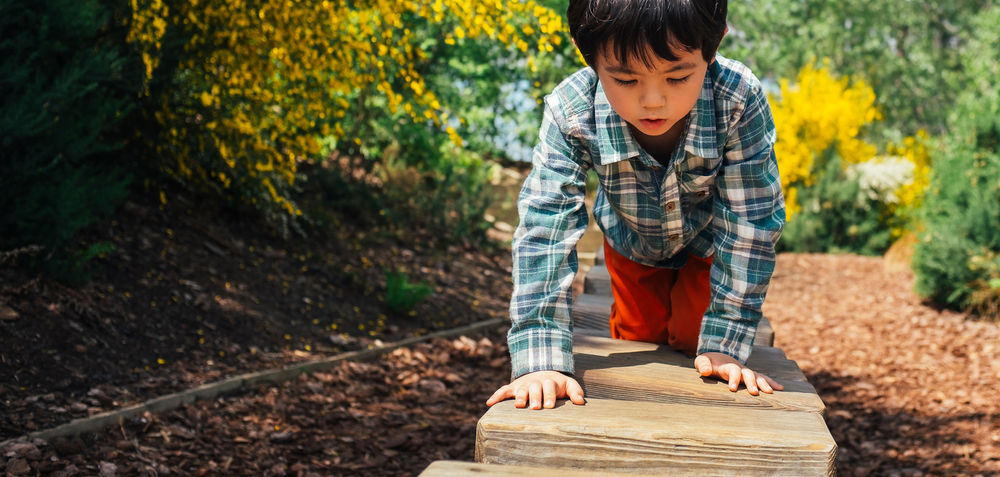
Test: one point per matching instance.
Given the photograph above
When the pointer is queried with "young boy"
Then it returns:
(689, 200)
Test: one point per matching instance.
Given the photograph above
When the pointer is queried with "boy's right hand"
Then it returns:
(541, 389)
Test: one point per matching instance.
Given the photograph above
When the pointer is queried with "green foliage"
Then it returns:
(401, 296)
(446, 203)
(64, 88)
(957, 259)
(424, 181)
(904, 49)
(447, 199)
(959, 251)
(837, 216)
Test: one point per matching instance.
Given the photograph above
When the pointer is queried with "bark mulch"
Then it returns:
(392, 416)
(194, 294)
(910, 390)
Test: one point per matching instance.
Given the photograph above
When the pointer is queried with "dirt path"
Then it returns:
(909, 390)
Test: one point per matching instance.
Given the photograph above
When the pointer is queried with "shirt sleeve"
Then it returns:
(749, 216)
(553, 218)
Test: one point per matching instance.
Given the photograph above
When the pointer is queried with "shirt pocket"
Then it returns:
(696, 187)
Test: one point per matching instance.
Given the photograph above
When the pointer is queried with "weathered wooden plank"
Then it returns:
(638, 371)
(649, 437)
(765, 333)
(597, 281)
(451, 468)
(590, 314)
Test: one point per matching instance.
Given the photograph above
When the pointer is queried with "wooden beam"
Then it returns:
(598, 281)
(590, 314)
(451, 468)
(765, 333)
(652, 437)
(638, 371)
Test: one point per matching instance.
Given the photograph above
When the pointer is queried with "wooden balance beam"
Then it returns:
(452, 468)
(648, 411)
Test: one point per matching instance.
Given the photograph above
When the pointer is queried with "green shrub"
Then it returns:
(438, 203)
(447, 199)
(837, 216)
(64, 88)
(958, 253)
(957, 259)
(402, 296)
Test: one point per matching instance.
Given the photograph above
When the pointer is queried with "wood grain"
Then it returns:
(451, 468)
(598, 281)
(765, 333)
(667, 438)
(638, 371)
(590, 312)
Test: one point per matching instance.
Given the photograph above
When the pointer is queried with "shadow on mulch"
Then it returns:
(391, 416)
(193, 294)
(874, 439)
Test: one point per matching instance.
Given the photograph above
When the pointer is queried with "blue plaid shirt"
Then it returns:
(720, 194)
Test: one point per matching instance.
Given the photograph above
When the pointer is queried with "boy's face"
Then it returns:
(652, 100)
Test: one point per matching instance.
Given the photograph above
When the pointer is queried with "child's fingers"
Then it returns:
(504, 392)
(535, 394)
(521, 397)
(574, 391)
(733, 372)
(750, 379)
(704, 365)
(774, 384)
(763, 384)
(548, 394)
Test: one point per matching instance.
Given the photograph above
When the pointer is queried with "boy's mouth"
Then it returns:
(652, 123)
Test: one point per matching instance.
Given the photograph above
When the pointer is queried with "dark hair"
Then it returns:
(635, 26)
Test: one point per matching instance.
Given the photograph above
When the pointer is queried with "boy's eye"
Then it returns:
(678, 80)
(625, 82)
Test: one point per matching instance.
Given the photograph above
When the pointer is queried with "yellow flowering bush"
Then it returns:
(839, 195)
(243, 91)
(913, 149)
(816, 113)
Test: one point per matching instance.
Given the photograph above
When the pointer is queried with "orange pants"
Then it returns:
(658, 305)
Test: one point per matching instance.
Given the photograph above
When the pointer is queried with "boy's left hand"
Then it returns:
(727, 368)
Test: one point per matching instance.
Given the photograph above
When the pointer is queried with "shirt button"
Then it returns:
(674, 237)
(670, 206)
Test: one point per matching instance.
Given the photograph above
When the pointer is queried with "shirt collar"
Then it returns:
(701, 139)
(615, 141)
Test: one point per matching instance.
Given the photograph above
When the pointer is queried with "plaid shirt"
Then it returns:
(719, 195)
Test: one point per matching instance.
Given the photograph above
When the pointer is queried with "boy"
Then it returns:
(689, 200)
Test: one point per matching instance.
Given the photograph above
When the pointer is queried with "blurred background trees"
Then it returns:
(398, 113)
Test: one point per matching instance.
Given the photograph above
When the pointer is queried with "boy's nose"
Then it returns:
(652, 99)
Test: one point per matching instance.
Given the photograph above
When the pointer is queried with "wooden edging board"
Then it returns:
(236, 383)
